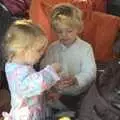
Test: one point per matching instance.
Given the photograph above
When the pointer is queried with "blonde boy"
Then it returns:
(75, 55)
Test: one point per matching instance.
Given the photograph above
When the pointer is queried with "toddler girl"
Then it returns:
(24, 45)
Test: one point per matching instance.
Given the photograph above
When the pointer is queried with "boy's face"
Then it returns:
(66, 34)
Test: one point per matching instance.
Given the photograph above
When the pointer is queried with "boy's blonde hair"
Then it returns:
(67, 14)
(22, 34)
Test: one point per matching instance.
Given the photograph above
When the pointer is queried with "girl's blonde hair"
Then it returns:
(22, 34)
(67, 14)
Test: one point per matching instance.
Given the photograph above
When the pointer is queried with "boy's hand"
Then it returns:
(56, 67)
(66, 82)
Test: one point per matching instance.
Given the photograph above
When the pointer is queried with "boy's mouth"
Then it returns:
(64, 40)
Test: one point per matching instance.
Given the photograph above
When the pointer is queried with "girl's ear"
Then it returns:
(22, 52)
(11, 56)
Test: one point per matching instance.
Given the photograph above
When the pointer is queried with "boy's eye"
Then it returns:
(69, 31)
(59, 32)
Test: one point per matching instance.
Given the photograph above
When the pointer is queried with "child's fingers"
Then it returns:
(64, 84)
(53, 97)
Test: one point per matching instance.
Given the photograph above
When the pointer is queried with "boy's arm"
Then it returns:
(88, 70)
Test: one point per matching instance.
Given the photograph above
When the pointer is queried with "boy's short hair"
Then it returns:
(67, 14)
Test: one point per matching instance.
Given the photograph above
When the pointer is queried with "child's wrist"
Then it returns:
(53, 89)
(53, 72)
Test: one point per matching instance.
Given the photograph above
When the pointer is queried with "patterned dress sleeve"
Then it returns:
(36, 83)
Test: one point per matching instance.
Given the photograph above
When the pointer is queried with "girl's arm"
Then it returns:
(37, 82)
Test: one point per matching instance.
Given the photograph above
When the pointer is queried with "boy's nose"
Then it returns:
(64, 34)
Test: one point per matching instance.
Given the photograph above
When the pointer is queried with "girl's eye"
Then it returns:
(39, 50)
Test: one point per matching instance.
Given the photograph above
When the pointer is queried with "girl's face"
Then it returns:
(66, 34)
(33, 54)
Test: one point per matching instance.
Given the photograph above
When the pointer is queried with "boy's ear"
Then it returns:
(80, 29)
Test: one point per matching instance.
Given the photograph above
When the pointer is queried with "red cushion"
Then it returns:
(101, 30)
(41, 9)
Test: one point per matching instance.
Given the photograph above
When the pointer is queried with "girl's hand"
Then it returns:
(56, 67)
